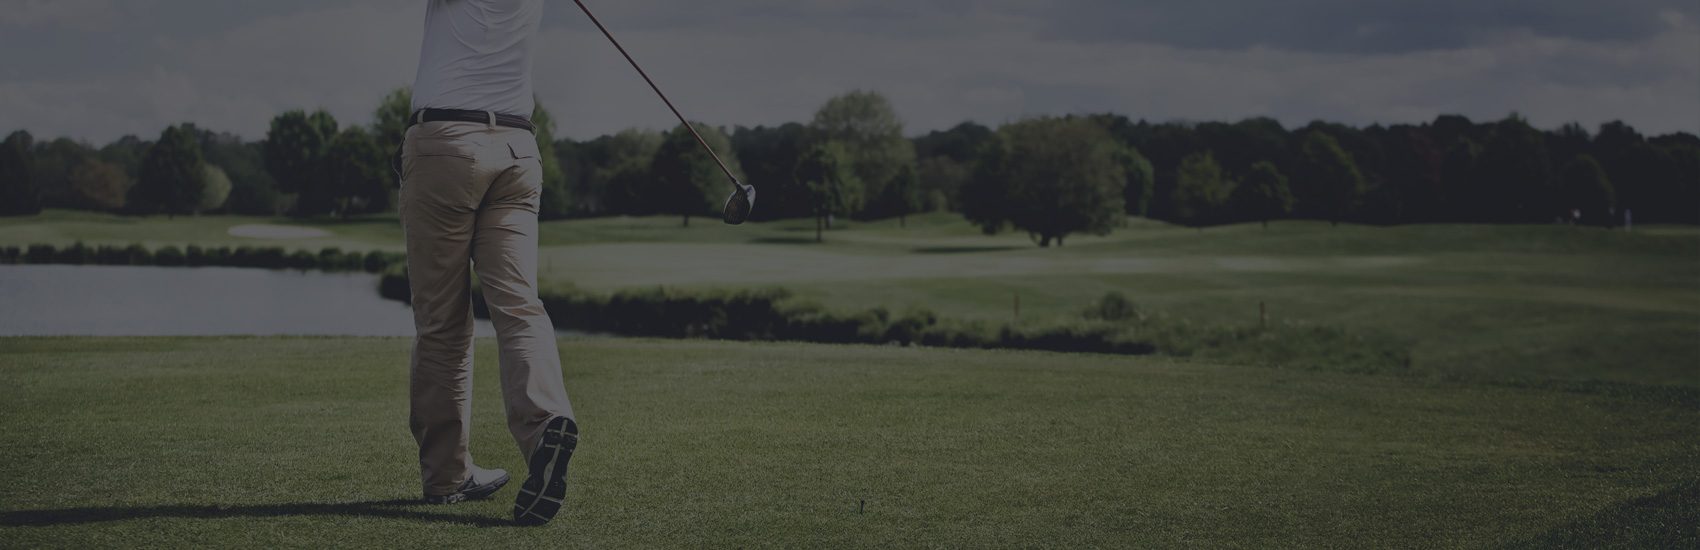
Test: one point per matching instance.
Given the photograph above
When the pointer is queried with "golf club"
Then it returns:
(738, 205)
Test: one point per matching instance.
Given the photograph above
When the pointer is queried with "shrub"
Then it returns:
(906, 329)
(330, 259)
(270, 258)
(375, 262)
(169, 256)
(111, 255)
(1114, 306)
(393, 285)
(351, 261)
(137, 254)
(39, 254)
(11, 254)
(194, 256)
(219, 256)
(302, 260)
(75, 254)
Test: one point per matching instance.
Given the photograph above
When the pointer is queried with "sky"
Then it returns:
(96, 70)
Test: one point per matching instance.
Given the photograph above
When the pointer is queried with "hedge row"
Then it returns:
(1113, 324)
(328, 259)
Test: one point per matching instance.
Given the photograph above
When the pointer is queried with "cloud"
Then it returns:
(770, 62)
(80, 15)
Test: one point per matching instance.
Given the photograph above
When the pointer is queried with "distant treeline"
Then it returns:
(1047, 176)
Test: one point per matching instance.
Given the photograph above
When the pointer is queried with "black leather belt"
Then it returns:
(457, 115)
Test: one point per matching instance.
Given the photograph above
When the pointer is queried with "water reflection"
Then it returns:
(89, 300)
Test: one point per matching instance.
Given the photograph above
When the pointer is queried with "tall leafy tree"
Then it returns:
(172, 175)
(769, 157)
(941, 176)
(1517, 172)
(294, 152)
(215, 188)
(834, 189)
(688, 181)
(389, 120)
(1050, 177)
(557, 196)
(1334, 174)
(868, 129)
(18, 195)
(1266, 192)
(902, 195)
(1141, 182)
(99, 185)
(1202, 190)
(1584, 186)
(357, 172)
(622, 174)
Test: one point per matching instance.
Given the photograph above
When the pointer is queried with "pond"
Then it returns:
(99, 300)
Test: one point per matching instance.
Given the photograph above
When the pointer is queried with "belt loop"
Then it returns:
(492, 116)
(419, 116)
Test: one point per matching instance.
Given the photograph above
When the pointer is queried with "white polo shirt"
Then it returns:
(477, 56)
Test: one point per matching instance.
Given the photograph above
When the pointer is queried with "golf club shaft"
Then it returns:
(657, 89)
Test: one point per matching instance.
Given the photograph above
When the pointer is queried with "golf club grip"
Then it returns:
(657, 89)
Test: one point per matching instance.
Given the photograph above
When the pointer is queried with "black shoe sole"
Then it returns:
(544, 489)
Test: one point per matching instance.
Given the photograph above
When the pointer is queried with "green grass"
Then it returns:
(1509, 301)
(265, 442)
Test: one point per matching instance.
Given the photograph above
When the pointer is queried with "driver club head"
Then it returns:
(738, 205)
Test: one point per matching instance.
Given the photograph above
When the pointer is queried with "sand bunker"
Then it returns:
(277, 232)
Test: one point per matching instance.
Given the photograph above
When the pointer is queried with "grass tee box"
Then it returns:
(265, 442)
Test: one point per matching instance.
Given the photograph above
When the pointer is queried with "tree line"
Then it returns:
(1048, 176)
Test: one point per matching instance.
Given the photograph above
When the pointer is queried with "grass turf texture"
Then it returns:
(263, 442)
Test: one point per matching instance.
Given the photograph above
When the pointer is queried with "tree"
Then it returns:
(1049, 177)
(18, 194)
(215, 188)
(172, 174)
(902, 195)
(1516, 173)
(769, 157)
(1201, 189)
(294, 151)
(1266, 192)
(834, 190)
(1332, 172)
(99, 185)
(1141, 182)
(389, 120)
(688, 181)
(557, 200)
(622, 174)
(866, 127)
(356, 172)
(1583, 185)
(943, 176)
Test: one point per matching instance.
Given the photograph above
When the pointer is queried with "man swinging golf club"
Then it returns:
(471, 183)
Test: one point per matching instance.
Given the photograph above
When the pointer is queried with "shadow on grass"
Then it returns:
(393, 509)
(965, 249)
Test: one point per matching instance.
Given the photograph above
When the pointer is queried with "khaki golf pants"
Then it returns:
(470, 192)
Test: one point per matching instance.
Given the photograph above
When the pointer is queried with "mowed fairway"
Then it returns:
(302, 442)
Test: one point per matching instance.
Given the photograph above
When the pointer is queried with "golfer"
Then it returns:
(471, 182)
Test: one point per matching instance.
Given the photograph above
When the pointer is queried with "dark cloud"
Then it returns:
(1351, 26)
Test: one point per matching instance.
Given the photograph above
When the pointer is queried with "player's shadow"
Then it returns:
(393, 509)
